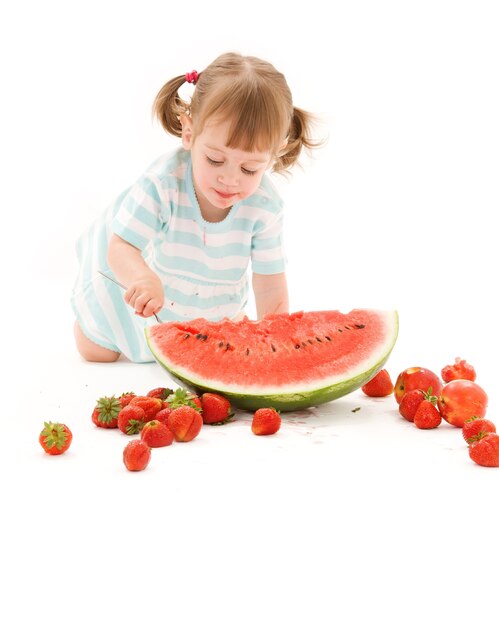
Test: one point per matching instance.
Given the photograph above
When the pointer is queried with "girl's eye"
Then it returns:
(212, 162)
(218, 163)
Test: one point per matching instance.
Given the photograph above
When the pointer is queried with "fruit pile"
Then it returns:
(159, 417)
(163, 416)
(425, 399)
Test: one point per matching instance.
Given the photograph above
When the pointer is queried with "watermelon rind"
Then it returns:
(286, 400)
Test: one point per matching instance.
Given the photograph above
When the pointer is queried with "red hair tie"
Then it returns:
(192, 77)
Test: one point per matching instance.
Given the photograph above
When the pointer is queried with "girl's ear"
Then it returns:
(187, 135)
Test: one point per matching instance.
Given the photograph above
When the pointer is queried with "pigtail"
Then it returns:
(299, 137)
(168, 106)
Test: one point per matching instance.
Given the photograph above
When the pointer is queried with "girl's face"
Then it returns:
(222, 176)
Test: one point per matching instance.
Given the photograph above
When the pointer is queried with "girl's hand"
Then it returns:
(145, 295)
(145, 290)
(271, 293)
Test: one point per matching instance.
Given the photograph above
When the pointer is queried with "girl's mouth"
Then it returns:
(225, 196)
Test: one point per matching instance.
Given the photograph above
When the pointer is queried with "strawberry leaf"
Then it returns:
(108, 408)
(54, 435)
(182, 397)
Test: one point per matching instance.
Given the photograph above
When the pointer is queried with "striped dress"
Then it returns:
(203, 265)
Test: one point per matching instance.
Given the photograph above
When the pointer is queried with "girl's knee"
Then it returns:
(91, 351)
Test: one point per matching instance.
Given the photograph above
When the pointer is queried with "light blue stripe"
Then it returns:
(169, 183)
(172, 263)
(263, 203)
(269, 267)
(96, 230)
(266, 244)
(142, 214)
(214, 252)
(87, 331)
(129, 235)
(246, 225)
(116, 205)
(149, 188)
(129, 329)
(258, 225)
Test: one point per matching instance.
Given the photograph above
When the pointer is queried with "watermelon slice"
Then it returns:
(285, 361)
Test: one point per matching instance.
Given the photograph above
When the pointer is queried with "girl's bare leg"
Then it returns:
(91, 351)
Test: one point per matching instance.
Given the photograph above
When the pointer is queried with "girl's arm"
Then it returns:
(271, 294)
(144, 289)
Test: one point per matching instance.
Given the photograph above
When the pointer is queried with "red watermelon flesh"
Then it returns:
(286, 361)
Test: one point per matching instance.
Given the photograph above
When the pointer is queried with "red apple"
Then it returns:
(460, 400)
(417, 378)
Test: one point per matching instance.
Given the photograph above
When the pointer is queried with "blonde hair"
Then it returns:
(253, 96)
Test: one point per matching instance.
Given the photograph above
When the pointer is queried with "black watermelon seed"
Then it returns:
(205, 337)
(347, 327)
(310, 342)
(186, 336)
(339, 330)
(247, 351)
(360, 325)
(297, 347)
(319, 340)
(273, 348)
(199, 336)
(328, 338)
(220, 344)
(303, 344)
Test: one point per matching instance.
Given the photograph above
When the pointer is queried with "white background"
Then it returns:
(380, 521)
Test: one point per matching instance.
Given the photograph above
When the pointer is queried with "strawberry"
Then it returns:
(458, 371)
(131, 419)
(182, 397)
(159, 392)
(379, 386)
(162, 415)
(215, 409)
(485, 451)
(136, 455)
(149, 405)
(105, 413)
(185, 423)
(265, 421)
(126, 397)
(156, 434)
(475, 427)
(427, 415)
(55, 438)
(410, 402)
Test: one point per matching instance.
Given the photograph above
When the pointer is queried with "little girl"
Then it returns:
(180, 239)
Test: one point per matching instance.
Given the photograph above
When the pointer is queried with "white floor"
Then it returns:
(342, 517)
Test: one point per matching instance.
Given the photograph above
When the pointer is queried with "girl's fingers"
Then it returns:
(143, 303)
(129, 296)
(139, 301)
(151, 307)
(145, 307)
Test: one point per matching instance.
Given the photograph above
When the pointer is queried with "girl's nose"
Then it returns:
(229, 178)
